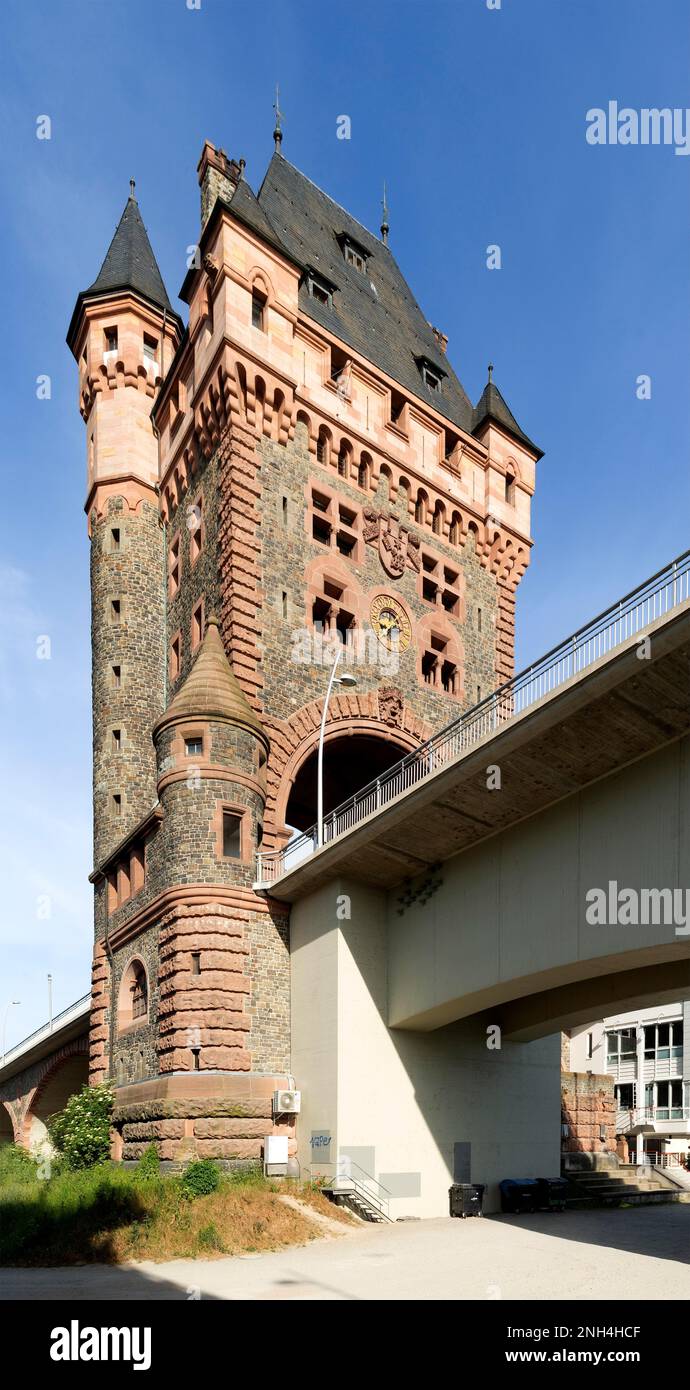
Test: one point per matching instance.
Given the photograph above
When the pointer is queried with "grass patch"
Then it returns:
(108, 1214)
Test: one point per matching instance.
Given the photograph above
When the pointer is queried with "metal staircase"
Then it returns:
(350, 1186)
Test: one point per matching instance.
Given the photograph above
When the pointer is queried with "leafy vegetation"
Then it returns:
(109, 1214)
(81, 1132)
(200, 1178)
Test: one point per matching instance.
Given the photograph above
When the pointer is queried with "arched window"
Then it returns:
(140, 993)
(344, 459)
(455, 529)
(133, 1003)
(420, 507)
(323, 445)
(510, 489)
(363, 471)
(438, 519)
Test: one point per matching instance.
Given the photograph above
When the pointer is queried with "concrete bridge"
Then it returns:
(528, 869)
(39, 1075)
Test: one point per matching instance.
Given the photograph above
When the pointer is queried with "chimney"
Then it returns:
(218, 178)
(441, 338)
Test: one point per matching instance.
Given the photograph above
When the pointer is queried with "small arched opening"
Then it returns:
(133, 1001)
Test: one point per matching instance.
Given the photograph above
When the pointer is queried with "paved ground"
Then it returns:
(636, 1253)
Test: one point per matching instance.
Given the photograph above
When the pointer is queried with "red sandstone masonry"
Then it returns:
(100, 1002)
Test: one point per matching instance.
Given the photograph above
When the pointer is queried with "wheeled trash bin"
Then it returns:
(466, 1198)
(519, 1194)
(552, 1193)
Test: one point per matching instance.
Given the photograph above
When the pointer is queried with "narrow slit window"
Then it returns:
(259, 310)
(232, 835)
(196, 962)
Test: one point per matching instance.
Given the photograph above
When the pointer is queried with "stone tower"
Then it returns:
(302, 461)
(123, 335)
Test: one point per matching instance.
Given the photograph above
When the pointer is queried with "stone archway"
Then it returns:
(62, 1079)
(382, 716)
(6, 1125)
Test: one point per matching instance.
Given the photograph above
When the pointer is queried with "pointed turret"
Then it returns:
(129, 265)
(212, 691)
(491, 406)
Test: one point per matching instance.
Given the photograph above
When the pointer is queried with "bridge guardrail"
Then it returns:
(623, 620)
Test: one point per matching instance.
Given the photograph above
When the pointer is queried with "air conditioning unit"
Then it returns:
(287, 1102)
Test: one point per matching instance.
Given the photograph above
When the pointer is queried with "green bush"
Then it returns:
(210, 1238)
(17, 1166)
(149, 1165)
(81, 1132)
(200, 1178)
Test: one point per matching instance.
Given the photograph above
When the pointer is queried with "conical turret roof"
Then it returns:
(211, 690)
(129, 265)
(491, 406)
(130, 262)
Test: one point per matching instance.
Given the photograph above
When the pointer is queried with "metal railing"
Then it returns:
(45, 1030)
(618, 624)
(362, 1185)
(647, 1115)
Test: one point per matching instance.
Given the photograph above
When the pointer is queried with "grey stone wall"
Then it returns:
(133, 574)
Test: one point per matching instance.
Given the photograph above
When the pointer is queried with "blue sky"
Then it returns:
(476, 119)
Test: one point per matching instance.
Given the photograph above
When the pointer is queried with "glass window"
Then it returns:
(232, 837)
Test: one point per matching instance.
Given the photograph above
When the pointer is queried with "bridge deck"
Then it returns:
(619, 709)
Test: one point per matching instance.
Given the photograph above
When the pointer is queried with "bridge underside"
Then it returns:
(485, 892)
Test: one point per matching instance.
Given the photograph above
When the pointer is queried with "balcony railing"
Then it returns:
(618, 624)
(650, 1115)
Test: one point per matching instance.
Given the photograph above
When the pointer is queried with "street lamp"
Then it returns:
(4, 1023)
(346, 680)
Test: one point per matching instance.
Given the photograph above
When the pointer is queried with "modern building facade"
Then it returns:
(296, 472)
(647, 1055)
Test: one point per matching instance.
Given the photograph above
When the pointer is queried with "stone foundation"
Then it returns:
(212, 1116)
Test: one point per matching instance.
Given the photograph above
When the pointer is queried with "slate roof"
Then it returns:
(130, 262)
(375, 313)
(491, 406)
(211, 689)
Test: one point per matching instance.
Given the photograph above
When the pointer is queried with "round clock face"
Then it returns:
(390, 622)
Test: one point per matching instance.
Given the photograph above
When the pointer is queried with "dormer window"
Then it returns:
(431, 374)
(354, 253)
(319, 289)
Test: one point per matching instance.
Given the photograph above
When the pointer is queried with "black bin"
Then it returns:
(466, 1198)
(519, 1194)
(552, 1193)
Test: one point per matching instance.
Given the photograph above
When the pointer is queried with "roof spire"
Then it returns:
(132, 186)
(491, 371)
(278, 132)
(384, 224)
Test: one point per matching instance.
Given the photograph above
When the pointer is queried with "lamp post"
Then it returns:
(346, 680)
(4, 1023)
